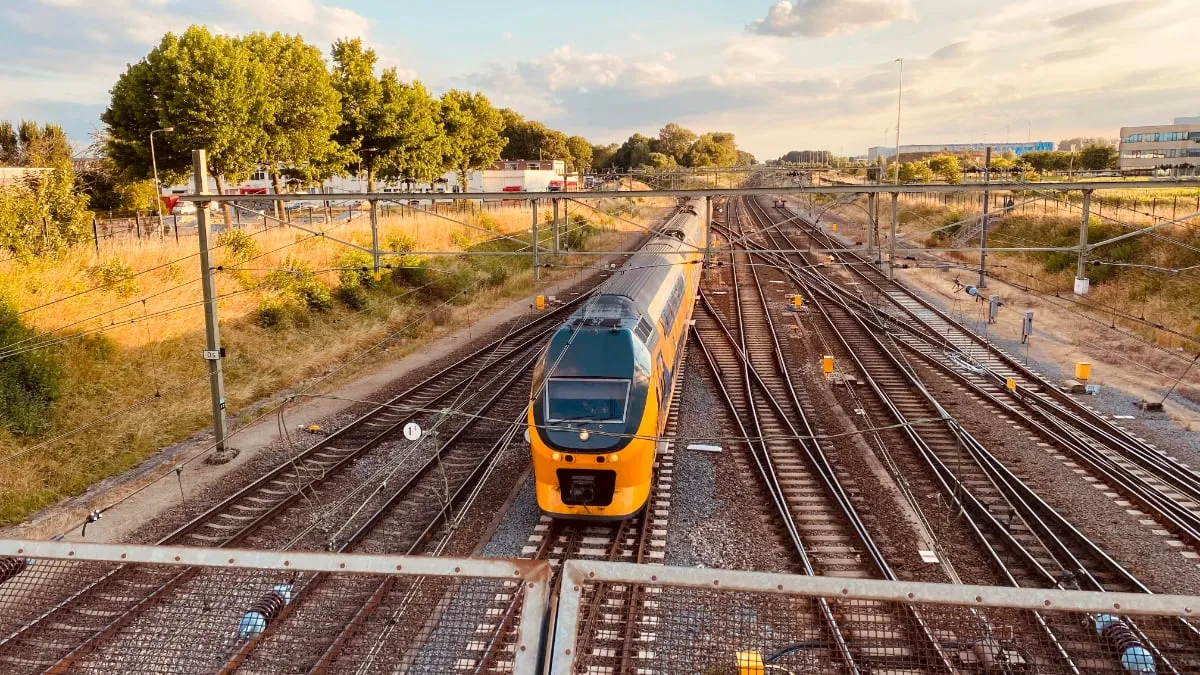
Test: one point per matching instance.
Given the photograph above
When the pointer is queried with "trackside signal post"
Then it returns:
(212, 330)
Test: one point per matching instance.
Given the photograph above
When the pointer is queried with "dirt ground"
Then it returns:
(157, 490)
(1061, 337)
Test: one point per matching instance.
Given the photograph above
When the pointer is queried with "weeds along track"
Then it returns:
(1026, 542)
(362, 488)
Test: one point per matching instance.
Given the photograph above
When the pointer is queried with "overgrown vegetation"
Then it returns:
(324, 294)
(30, 381)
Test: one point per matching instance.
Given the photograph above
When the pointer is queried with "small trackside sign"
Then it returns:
(212, 354)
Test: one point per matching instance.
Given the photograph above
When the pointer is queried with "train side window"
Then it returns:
(644, 330)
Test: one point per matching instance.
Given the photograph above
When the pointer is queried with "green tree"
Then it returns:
(915, 172)
(674, 141)
(745, 159)
(581, 153)
(210, 89)
(411, 140)
(529, 139)
(1098, 157)
(473, 127)
(43, 213)
(712, 149)
(660, 160)
(34, 146)
(602, 155)
(10, 146)
(305, 108)
(633, 153)
(946, 167)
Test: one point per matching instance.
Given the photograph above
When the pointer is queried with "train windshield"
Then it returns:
(590, 400)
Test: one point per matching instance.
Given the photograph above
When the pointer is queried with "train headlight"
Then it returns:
(584, 435)
(612, 459)
(556, 456)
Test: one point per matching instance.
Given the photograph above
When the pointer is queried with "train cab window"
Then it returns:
(582, 399)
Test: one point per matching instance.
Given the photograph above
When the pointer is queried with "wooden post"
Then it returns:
(96, 235)
(137, 223)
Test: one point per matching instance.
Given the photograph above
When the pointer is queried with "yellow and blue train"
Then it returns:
(602, 389)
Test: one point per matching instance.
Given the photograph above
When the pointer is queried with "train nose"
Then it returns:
(587, 487)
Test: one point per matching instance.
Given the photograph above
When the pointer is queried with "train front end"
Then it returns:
(592, 421)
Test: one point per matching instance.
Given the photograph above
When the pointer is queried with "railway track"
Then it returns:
(1028, 542)
(826, 531)
(303, 502)
(1120, 462)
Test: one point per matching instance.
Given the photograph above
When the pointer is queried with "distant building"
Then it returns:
(1018, 149)
(1164, 146)
(13, 175)
(521, 175)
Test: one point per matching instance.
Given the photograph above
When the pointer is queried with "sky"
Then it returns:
(805, 74)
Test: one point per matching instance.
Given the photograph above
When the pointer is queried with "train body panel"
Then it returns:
(602, 388)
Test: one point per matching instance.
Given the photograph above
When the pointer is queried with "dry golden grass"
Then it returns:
(115, 365)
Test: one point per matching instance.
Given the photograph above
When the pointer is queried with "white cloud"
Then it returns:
(824, 18)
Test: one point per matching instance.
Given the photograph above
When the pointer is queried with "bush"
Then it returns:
(353, 297)
(451, 286)
(43, 213)
(239, 246)
(357, 271)
(296, 282)
(274, 310)
(29, 382)
(116, 276)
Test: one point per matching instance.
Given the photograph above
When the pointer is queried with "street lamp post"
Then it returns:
(899, 98)
(158, 186)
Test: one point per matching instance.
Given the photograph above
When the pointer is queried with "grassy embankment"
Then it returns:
(295, 307)
(1169, 300)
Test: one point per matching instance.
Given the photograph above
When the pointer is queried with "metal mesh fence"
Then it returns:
(108, 609)
(628, 619)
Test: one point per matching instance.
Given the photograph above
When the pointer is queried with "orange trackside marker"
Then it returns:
(540, 302)
(827, 365)
(797, 302)
(1011, 384)
(833, 227)
(1083, 371)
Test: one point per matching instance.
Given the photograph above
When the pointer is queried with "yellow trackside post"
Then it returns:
(827, 365)
(750, 663)
(797, 301)
(1083, 371)
(833, 227)
(540, 302)
(1010, 384)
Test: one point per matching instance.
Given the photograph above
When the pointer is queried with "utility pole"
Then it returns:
(892, 239)
(899, 99)
(557, 228)
(1081, 282)
(374, 203)
(212, 331)
(987, 177)
(872, 225)
(537, 272)
(158, 186)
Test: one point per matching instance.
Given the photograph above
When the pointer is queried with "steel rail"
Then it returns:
(1019, 494)
(1173, 515)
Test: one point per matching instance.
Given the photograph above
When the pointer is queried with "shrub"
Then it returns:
(296, 282)
(353, 297)
(116, 276)
(29, 381)
(274, 310)
(239, 246)
(452, 285)
(357, 271)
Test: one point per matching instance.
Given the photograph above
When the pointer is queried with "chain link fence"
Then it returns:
(101, 608)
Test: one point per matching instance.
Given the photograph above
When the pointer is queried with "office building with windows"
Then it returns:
(1166, 146)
